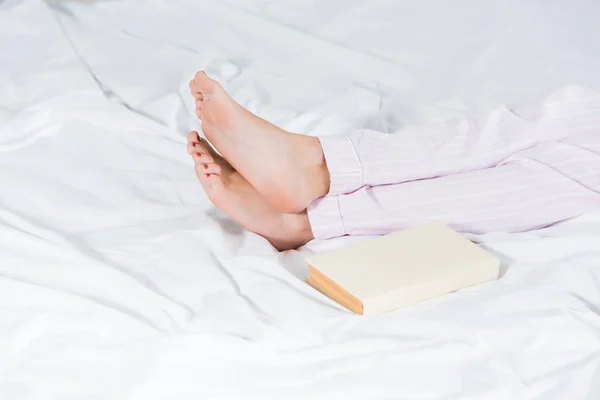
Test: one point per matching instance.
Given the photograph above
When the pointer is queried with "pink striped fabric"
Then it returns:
(508, 171)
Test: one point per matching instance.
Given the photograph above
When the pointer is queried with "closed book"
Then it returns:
(402, 268)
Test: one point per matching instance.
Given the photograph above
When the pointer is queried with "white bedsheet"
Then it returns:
(118, 280)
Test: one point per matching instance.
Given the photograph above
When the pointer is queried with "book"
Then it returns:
(401, 268)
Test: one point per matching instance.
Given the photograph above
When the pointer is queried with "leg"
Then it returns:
(366, 158)
(290, 171)
(532, 189)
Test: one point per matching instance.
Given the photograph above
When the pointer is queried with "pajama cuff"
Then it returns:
(325, 218)
(345, 170)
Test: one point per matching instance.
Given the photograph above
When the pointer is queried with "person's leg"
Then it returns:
(531, 189)
(290, 171)
(367, 158)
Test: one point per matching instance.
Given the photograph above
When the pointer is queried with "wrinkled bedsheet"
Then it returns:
(119, 280)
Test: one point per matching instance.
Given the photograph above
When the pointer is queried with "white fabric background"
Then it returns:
(118, 280)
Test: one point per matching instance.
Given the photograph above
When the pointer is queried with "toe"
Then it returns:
(202, 158)
(192, 140)
(195, 147)
(213, 185)
(193, 137)
(203, 143)
(212, 168)
(194, 90)
(207, 169)
(203, 177)
(203, 83)
(204, 147)
(200, 170)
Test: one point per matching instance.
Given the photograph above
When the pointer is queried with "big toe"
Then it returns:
(204, 84)
(193, 137)
(192, 140)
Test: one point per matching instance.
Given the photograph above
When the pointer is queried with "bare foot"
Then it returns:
(233, 195)
(287, 169)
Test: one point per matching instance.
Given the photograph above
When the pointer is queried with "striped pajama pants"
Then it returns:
(512, 170)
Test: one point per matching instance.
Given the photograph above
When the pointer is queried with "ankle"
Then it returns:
(298, 228)
(319, 170)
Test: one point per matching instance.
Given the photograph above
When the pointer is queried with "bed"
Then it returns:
(119, 280)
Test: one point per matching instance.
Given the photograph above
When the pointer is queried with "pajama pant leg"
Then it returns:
(511, 171)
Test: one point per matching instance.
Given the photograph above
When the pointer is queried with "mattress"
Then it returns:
(118, 278)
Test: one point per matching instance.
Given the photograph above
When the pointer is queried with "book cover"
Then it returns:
(401, 268)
